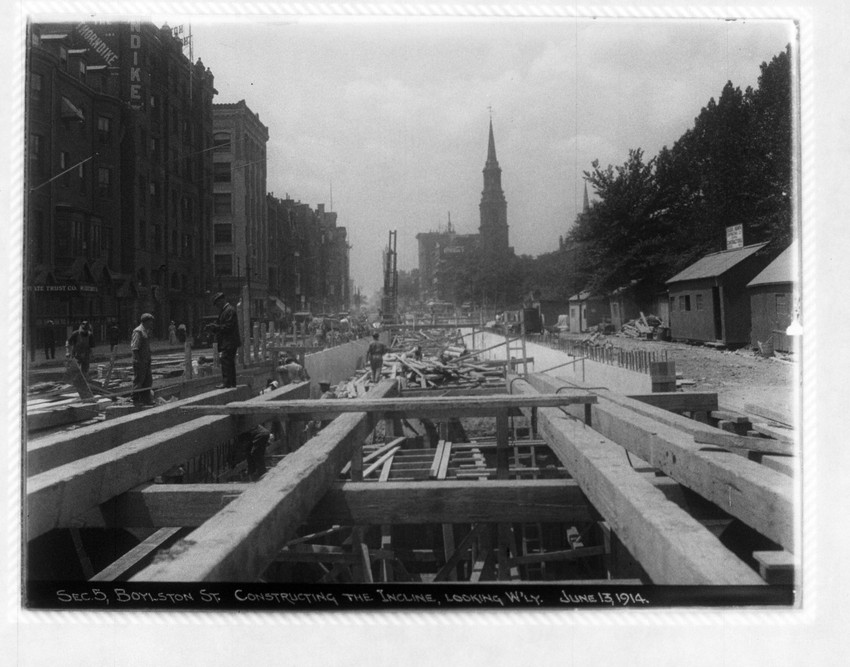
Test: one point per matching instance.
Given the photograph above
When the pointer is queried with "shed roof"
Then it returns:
(716, 264)
(780, 270)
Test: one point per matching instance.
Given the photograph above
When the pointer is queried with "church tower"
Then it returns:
(493, 208)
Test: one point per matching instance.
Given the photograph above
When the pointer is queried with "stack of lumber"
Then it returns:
(430, 372)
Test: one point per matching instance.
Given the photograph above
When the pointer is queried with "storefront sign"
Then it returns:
(98, 45)
(135, 69)
(64, 289)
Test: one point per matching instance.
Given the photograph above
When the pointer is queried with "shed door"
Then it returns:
(717, 313)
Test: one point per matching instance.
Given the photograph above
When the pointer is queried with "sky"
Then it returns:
(387, 122)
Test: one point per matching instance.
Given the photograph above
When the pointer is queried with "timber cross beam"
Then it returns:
(436, 407)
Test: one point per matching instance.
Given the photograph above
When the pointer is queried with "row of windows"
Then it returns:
(683, 302)
(185, 249)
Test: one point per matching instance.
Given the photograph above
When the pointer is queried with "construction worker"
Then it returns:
(79, 346)
(291, 372)
(375, 354)
(226, 331)
(315, 425)
(140, 346)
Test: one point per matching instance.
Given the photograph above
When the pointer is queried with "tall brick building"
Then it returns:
(119, 196)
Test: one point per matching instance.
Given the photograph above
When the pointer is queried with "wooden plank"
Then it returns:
(441, 406)
(366, 503)
(459, 553)
(679, 401)
(380, 462)
(438, 459)
(137, 554)
(776, 432)
(561, 555)
(57, 449)
(444, 461)
(502, 462)
(760, 497)
(56, 496)
(776, 567)
(779, 416)
(671, 546)
(239, 543)
(734, 441)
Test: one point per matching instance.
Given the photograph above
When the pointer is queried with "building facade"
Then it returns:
(240, 254)
(118, 206)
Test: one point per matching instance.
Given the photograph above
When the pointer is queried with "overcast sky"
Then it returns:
(393, 116)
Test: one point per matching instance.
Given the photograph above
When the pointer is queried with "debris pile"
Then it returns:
(646, 326)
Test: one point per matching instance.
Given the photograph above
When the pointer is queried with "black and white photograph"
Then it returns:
(348, 312)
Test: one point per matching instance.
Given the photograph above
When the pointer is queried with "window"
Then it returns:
(186, 250)
(36, 89)
(685, 302)
(104, 182)
(143, 234)
(64, 165)
(81, 171)
(155, 194)
(78, 239)
(699, 302)
(221, 203)
(63, 58)
(154, 148)
(223, 233)
(157, 237)
(781, 304)
(104, 127)
(81, 71)
(96, 240)
(36, 154)
(223, 265)
(38, 240)
(221, 141)
(143, 191)
(221, 172)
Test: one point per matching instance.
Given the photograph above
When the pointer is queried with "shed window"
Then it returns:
(781, 304)
(699, 301)
(687, 301)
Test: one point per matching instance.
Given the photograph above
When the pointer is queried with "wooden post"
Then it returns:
(263, 342)
(187, 361)
(502, 462)
(245, 326)
(255, 342)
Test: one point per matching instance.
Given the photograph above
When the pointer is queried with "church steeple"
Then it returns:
(491, 149)
(493, 207)
(586, 204)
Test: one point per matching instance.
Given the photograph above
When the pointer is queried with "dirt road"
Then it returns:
(738, 377)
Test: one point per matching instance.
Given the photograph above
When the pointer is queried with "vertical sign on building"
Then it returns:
(734, 237)
(136, 99)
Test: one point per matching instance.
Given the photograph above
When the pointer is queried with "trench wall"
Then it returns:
(597, 374)
(336, 364)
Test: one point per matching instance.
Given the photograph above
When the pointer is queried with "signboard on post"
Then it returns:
(734, 237)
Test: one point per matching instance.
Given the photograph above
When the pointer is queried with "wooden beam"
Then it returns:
(442, 406)
(677, 401)
(776, 567)
(366, 503)
(459, 554)
(562, 555)
(734, 441)
(671, 546)
(56, 496)
(760, 497)
(137, 554)
(48, 452)
(239, 543)
(785, 417)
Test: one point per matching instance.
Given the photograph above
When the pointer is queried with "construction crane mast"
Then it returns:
(389, 303)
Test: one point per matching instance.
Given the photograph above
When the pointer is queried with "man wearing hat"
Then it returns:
(226, 331)
(79, 346)
(140, 346)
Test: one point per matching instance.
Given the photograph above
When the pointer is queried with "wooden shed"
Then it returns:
(709, 301)
(772, 295)
(587, 310)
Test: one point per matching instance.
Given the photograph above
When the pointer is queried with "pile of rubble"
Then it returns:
(648, 327)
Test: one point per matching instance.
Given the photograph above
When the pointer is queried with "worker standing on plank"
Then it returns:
(226, 331)
(140, 346)
(79, 346)
(375, 354)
